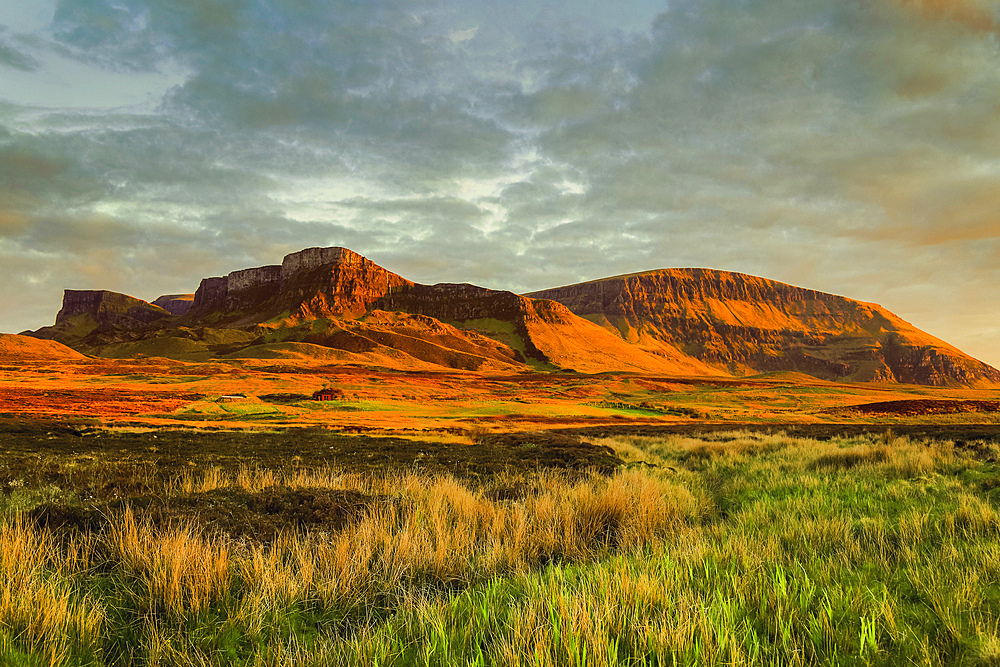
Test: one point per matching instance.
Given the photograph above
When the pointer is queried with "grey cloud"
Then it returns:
(835, 145)
(12, 56)
(445, 208)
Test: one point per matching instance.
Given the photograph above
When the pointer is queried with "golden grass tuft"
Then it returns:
(844, 459)
(43, 611)
(974, 517)
(184, 571)
(894, 456)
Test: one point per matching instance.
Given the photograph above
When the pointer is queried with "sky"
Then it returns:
(847, 146)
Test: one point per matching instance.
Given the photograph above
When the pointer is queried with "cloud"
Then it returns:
(15, 57)
(972, 14)
(834, 145)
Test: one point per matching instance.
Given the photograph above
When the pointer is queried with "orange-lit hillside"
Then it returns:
(334, 305)
(747, 324)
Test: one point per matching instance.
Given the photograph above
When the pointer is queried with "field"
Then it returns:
(734, 547)
(265, 394)
(458, 519)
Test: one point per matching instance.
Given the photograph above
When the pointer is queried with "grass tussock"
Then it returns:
(732, 549)
(182, 570)
(41, 610)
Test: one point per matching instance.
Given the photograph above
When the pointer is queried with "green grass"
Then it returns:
(726, 549)
(247, 407)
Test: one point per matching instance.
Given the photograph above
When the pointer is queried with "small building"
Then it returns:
(328, 395)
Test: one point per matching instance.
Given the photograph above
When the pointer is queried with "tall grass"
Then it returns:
(42, 612)
(732, 549)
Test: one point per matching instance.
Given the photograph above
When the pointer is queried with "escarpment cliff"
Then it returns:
(93, 317)
(675, 321)
(246, 288)
(110, 307)
(316, 282)
(746, 324)
(175, 304)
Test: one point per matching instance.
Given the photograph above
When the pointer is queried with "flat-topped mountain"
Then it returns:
(334, 305)
(336, 299)
(312, 282)
(745, 324)
(108, 306)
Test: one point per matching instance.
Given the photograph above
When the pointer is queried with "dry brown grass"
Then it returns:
(895, 455)
(38, 603)
(184, 570)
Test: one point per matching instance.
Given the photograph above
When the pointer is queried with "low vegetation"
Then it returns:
(735, 548)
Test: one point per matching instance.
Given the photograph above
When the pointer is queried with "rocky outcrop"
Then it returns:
(109, 308)
(312, 258)
(676, 321)
(175, 304)
(747, 324)
(316, 282)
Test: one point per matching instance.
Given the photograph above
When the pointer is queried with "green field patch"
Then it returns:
(244, 407)
(647, 409)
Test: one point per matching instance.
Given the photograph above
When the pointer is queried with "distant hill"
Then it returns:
(682, 322)
(15, 348)
(744, 325)
(339, 300)
(175, 304)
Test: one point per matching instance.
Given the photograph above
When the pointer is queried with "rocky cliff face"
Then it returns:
(91, 318)
(346, 288)
(748, 324)
(109, 307)
(175, 304)
(316, 282)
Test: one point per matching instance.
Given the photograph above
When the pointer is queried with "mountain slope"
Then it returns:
(15, 348)
(542, 329)
(672, 322)
(337, 299)
(747, 324)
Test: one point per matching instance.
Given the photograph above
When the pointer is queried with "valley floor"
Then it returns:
(141, 393)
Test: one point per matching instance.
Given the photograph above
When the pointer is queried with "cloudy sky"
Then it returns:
(849, 146)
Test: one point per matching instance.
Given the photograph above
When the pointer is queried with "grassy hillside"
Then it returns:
(15, 348)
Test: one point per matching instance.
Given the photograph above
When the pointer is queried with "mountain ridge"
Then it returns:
(748, 324)
(674, 321)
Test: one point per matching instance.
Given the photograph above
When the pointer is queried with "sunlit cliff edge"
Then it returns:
(334, 305)
(746, 324)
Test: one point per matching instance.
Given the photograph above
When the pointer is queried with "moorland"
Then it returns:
(158, 512)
